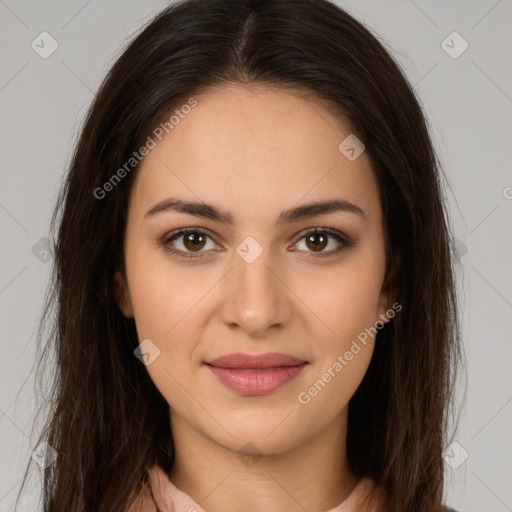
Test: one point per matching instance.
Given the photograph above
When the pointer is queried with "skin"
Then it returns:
(256, 151)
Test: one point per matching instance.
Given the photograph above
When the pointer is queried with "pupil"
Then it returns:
(190, 243)
(317, 235)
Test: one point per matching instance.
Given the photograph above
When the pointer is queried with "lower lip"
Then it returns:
(256, 381)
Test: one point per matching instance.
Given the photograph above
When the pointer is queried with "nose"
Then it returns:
(255, 296)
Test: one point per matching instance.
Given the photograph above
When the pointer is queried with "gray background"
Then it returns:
(468, 100)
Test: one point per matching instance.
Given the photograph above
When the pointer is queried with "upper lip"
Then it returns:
(248, 361)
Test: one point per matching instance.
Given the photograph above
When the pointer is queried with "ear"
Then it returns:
(122, 294)
(389, 292)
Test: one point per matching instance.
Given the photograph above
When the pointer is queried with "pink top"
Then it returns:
(168, 498)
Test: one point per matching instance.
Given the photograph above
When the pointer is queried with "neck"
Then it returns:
(313, 476)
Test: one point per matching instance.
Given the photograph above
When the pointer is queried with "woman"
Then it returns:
(254, 282)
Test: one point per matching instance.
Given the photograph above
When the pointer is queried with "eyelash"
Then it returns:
(189, 256)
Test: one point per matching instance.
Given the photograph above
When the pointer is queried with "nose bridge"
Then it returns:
(255, 299)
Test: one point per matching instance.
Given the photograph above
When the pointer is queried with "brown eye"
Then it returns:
(188, 243)
(194, 241)
(317, 241)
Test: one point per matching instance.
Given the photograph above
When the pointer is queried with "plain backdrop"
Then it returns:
(467, 96)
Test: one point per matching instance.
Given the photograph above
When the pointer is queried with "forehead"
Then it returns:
(257, 148)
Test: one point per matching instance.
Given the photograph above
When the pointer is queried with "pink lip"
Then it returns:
(255, 375)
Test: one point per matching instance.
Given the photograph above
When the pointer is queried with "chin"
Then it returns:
(258, 440)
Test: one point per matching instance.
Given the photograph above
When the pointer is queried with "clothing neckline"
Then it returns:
(164, 496)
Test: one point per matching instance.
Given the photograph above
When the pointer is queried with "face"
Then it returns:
(257, 280)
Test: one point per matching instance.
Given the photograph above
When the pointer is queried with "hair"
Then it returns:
(106, 419)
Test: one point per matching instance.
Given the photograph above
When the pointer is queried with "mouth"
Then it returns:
(255, 362)
(256, 375)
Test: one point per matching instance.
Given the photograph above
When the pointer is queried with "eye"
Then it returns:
(316, 240)
(193, 240)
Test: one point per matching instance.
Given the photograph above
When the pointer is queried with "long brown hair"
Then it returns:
(106, 420)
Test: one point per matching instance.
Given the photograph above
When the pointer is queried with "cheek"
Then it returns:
(163, 294)
(167, 307)
(349, 306)
(345, 300)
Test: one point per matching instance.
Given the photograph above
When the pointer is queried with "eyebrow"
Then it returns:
(208, 211)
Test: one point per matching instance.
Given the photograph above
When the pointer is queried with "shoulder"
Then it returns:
(367, 495)
(371, 496)
(144, 501)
